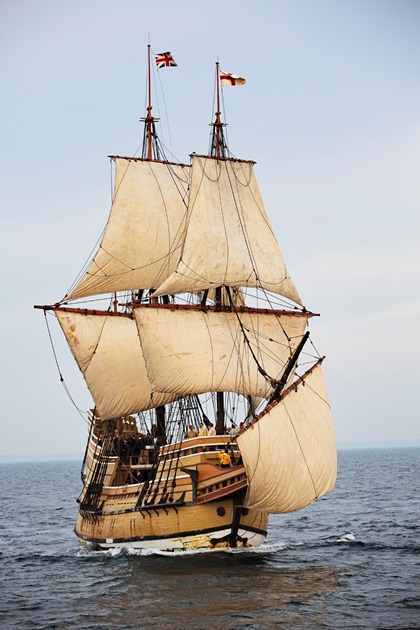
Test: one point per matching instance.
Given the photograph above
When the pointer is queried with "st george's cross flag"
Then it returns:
(228, 79)
(164, 60)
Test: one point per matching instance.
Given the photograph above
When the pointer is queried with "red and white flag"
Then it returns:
(227, 78)
(165, 60)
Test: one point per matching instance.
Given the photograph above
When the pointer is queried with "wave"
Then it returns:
(264, 549)
(347, 538)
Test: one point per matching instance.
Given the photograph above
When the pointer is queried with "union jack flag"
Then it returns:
(165, 60)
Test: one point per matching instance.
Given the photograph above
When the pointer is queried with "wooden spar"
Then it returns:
(282, 382)
(176, 307)
(209, 157)
(141, 159)
(273, 403)
(223, 307)
(83, 311)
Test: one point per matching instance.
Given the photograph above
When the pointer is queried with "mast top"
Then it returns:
(150, 148)
(218, 143)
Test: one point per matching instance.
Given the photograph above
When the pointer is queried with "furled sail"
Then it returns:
(192, 351)
(108, 352)
(139, 246)
(289, 450)
(228, 238)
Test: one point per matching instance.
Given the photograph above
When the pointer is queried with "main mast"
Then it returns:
(150, 152)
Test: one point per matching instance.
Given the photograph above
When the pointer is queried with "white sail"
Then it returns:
(289, 450)
(228, 239)
(191, 351)
(139, 246)
(108, 352)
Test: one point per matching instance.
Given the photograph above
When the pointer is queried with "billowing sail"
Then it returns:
(191, 351)
(228, 239)
(139, 246)
(108, 352)
(289, 450)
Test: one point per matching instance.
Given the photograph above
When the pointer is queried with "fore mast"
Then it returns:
(218, 149)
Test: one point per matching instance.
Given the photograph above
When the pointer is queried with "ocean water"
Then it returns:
(351, 560)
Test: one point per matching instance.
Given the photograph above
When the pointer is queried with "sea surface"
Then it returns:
(351, 560)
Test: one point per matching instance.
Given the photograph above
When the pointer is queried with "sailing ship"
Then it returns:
(210, 412)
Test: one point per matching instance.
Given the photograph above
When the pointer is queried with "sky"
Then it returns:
(330, 113)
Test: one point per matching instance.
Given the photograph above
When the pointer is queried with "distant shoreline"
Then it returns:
(29, 459)
(341, 446)
(345, 446)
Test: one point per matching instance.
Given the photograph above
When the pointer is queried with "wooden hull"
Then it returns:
(194, 526)
(185, 500)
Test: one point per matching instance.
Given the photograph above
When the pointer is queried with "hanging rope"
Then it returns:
(80, 411)
(248, 343)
